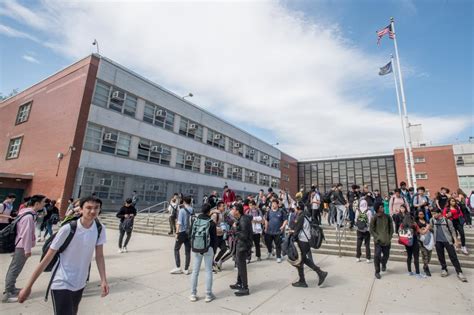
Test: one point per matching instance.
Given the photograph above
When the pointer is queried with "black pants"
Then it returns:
(351, 217)
(397, 221)
(307, 260)
(413, 252)
(241, 260)
(440, 246)
(172, 221)
(270, 239)
(221, 244)
(460, 230)
(316, 216)
(182, 239)
(382, 253)
(363, 237)
(122, 233)
(256, 242)
(66, 302)
(467, 216)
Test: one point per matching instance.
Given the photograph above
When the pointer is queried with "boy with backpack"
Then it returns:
(6, 211)
(275, 224)
(183, 231)
(203, 245)
(72, 247)
(362, 219)
(381, 228)
(22, 232)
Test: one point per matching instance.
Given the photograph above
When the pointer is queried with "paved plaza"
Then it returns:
(140, 283)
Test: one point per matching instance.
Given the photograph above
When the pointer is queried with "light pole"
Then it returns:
(96, 43)
(189, 95)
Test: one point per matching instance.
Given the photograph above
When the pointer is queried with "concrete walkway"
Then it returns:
(140, 283)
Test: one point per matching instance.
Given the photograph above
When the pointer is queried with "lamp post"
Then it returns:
(189, 95)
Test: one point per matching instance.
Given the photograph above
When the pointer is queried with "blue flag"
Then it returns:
(386, 69)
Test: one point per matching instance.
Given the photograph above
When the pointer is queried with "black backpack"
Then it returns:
(191, 217)
(8, 235)
(327, 197)
(317, 234)
(54, 264)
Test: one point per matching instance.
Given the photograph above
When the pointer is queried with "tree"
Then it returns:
(12, 93)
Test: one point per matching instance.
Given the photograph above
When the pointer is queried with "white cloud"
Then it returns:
(252, 62)
(30, 58)
(11, 32)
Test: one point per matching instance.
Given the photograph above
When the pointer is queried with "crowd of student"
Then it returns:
(231, 228)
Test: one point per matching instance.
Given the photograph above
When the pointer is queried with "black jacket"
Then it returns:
(338, 198)
(244, 234)
(299, 223)
(126, 210)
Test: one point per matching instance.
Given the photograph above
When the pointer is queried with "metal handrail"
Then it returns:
(149, 212)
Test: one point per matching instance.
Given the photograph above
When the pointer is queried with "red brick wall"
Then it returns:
(292, 172)
(439, 165)
(57, 120)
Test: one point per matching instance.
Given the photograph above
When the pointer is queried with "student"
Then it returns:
(442, 198)
(207, 256)
(25, 240)
(228, 196)
(454, 213)
(301, 232)
(396, 201)
(413, 251)
(6, 209)
(275, 223)
(381, 229)
(362, 219)
(353, 198)
(217, 216)
(316, 207)
(424, 229)
(73, 268)
(422, 202)
(341, 204)
(134, 198)
(244, 244)
(126, 215)
(463, 203)
(257, 220)
(445, 238)
(173, 212)
(182, 237)
(51, 218)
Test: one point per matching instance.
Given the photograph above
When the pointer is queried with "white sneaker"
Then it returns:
(193, 298)
(278, 260)
(368, 261)
(125, 250)
(176, 271)
(187, 272)
(269, 255)
(464, 250)
(209, 298)
(120, 250)
(357, 259)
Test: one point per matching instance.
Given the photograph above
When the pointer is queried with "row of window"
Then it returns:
(102, 139)
(108, 96)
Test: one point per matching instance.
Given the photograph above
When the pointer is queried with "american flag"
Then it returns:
(385, 30)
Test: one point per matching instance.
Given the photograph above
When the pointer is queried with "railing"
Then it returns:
(158, 208)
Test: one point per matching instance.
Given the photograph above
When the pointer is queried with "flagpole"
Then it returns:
(403, 126)
(404, 103)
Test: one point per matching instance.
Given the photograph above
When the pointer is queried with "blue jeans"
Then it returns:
(49, 229)
(341, 214)
(208, 258)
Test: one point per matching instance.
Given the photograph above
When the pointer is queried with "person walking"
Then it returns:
(426, 241)
(184, 221)
(25, 240)
(301, 233)
(407, 223)
(6, 210)
(126, 215)
(362, 219)
(381, 229)
(445, 238)
(217, 215)
(173, 212)
(203, 244)
(243, 236)
(275, 223)
(257, 221)
(454, 213)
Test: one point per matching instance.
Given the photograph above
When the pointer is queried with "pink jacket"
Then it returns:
(25, 231)
(396, 203)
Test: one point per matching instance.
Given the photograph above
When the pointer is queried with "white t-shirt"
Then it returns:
(316, 198)
(75, 260)
(305, 232)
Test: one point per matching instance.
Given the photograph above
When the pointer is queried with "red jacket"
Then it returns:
(228, 197)
(456, 213)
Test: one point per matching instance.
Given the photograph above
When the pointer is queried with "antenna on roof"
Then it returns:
(96, 43)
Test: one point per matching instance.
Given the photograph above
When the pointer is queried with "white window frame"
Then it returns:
(14, 147)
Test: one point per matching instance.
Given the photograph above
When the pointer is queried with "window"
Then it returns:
(275, 163)
(154, 152)
(421, 176)
(23, 113)
(264, 159)
(466, 183)
(286, 178)
(188, 190)
(236, 147)
(251, 176)
(151, 190)
(190, 129)
(113, 98)
(214, 167)
(104, 185)
(251, 153)
(188, 161)
(264, 180)
(286, 165)
(158, 116)
(275, 182)
(234, 172)
(107, 140)
(14, 148)
(419, 159)
(459, 161)
(215, 139)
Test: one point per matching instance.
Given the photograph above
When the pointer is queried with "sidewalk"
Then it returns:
(140, 283)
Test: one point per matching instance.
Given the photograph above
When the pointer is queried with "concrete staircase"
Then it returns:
(157, 224)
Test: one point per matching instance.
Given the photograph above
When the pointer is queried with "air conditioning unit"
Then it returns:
(118, 96)
(215, 164)
(235, 170)
(110, 137)
(251, 174)
(208, 163)
(236, 145)
(160, 113)
(156, 149)
(189, 158)
(252, 152)
(265, 157)
(264, 177)
(217, 137)
(192, 127)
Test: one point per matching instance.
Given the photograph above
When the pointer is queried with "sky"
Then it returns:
(303, 74)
